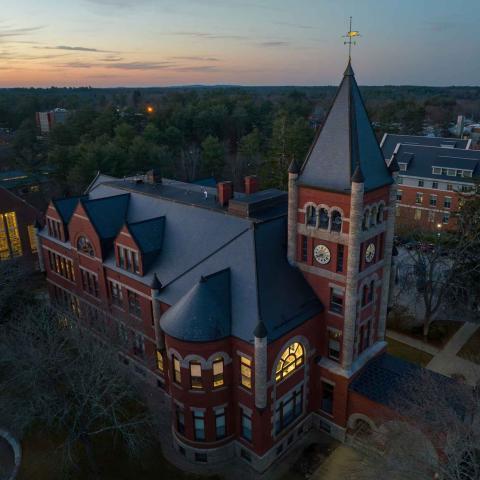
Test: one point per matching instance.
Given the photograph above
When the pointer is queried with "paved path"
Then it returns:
(413, 342)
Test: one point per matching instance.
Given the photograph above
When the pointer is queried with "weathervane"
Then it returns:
(350, 39)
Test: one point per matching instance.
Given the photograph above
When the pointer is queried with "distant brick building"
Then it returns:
(18, 225)
(46, 120)
(435, 173)
(260, 314)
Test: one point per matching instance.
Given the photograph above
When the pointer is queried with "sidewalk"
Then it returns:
(413, 342)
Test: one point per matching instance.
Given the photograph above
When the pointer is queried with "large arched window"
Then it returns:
(373, 216)
(84, 246)
(323, 219)
(291, 359)
(336, 221)
(311, 213)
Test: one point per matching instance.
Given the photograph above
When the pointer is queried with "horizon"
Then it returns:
(178, 43)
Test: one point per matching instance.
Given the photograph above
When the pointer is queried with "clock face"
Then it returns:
(322, 254)
(370, 253)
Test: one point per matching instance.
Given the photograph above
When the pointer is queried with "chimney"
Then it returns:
(224, 193)
(153, 176)
(251, 184)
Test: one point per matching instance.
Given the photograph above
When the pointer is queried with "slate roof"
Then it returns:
(421, 160)
(385, 380)
(204, 313)
(66, 207)
(201, 239)
(390, 142)
(18, 178)
(345, 141)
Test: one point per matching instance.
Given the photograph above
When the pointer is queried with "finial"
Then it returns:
(260, 330)
(294, 167)
(156, 283)
(357, 176)
(351, 34)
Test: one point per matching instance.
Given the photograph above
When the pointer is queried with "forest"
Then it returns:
(192, 133)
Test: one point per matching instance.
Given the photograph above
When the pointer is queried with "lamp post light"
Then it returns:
(439, 229)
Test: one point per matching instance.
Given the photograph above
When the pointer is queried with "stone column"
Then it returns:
(292, 213)
(387, 283)
(353, 262)
(38, 243)
(159, 336)
(261, 376)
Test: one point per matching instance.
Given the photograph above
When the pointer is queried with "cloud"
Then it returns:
(111, 58)
(296, 25)
(207, 35)
(274, 44)
(194, 59)
(200, 68)
(139, 65)
(16, 32)
(77, 65)
(75, 49)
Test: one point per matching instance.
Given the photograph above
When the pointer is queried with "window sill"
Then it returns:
(196, 390)
(340, 315)
(244, 389)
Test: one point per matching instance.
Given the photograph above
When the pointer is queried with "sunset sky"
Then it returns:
(249, 42)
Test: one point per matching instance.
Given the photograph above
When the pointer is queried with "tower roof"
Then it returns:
(345, 141)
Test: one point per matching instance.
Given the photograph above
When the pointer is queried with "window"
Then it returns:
(403, 167)
(340, 254)
(89, 282)
(160, 365)
(288, 410)
(420, 183)
(447, 202)
(373, 216)
(134, 307)
(128, 259)
(323, 219)
(336, 300)
(334, 344)
(199, 425)
(399, 180)
(61, 265)
(327, 397)
(84, 246)
(444, 171)
(54, 229)
(451, 172)
(433, 200)
(201, 457)
(466, 188)
(217, 368)
(116, 294)
(246, 425)
(449, 187)
(304, 248)
(32, 235)
(431, 216)
(123, 334)
(380, 214)
(180, 416)
(195, 375)
(177, 371)
(445, 218)
(437, 170)
(311, 216)
(9, 232)
(292, 359)
(336, 221)
(435, 185)
(399, 195)
(417, 214)
(220, 424)
(246, 372)
(138, 345)
(366, 216)
(419, 197)
(467, 173)
(371, 292)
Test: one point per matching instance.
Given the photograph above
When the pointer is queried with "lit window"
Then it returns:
(33, 238)
(13, 234)
(334, 344)
(160, 361)
(218, 372)
(292, 358)
(419, 197)
(4, 248)
(246, 372)
(417, 214)
(177, 372)
(84, 246)
(195, 375)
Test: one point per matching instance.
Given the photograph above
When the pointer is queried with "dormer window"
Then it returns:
(336, 221)
(128, 259)
(311, 216)
(403, 167)
(84, 246)
(323, 219)
(54, 228)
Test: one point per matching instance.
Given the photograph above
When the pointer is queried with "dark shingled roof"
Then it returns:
(345, 140)
(66, 206)
(390, 142)
(204, 313)
(420, 161)
(148, 235)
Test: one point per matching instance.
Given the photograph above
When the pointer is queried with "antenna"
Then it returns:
(350, 39)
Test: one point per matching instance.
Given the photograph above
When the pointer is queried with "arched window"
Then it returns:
(380, 214)
(365, 220)
(373, 216)
(311, 216)
(292, 358)
(336, 221)
(84, 246)
(323, 219)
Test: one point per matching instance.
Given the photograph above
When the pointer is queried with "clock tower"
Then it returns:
(340, 235)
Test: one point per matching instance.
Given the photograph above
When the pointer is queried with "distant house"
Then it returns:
(18, 222)
(46, 120)
(434, 174)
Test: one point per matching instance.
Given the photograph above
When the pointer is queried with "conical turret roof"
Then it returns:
(345, 141)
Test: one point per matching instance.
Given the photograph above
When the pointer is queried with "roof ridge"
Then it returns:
(145, 221)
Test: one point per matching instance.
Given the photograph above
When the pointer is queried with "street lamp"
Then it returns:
(439, 228)
(150, 109)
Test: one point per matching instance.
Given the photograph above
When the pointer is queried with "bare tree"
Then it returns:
(13, 286)
(435, 436)
(59, 377)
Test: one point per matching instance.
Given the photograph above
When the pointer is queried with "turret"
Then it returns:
(261, 376)
(292, 211)
(155, 288)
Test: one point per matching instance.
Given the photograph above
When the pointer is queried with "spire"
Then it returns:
(260, 330)
(156, 283)
(345, 141)
(294, 166)
(357, 176)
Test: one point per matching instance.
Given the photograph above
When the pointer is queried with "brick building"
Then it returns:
(259, 314)
(435, 173)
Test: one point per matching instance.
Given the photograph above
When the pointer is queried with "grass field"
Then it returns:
(401, 350)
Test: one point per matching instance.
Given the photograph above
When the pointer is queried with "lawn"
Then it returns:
(41, 461)
(471, 350)
(401, 350)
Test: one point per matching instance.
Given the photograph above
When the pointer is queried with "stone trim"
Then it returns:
(17, 452)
